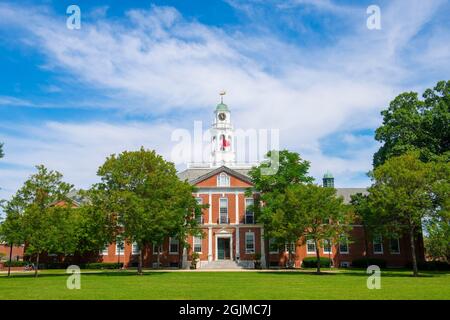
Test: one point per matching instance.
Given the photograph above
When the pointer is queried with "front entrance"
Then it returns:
(223, 249)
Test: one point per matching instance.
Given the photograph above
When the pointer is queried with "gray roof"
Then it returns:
(77, 197)
(347, 192)
(192, 175)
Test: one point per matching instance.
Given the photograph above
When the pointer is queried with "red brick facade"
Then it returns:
(213, 231)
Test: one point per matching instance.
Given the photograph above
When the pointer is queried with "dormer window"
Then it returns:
(223, 180)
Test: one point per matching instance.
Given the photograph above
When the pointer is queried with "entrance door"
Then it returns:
(223, 248)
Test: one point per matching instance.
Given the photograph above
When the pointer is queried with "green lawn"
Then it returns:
(348, 284)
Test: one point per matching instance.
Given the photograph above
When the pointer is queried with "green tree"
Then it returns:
(437, 241)
(292, 170)
(11, 231)
(1, 151)
(366, 216)
(41, 220)
(322, 214)
(402, 196)
(413, 124)
(437, 228)
(150, 201)
(95, 225)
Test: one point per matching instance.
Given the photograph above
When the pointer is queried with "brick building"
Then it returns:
(232, 236)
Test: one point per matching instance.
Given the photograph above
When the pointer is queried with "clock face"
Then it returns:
(222, 116)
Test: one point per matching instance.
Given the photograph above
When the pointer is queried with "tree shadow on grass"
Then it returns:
(102, 273)
(360, 273)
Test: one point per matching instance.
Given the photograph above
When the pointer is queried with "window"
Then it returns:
(273, 246)
(249, 242)
(119, 247)
(378, 245)
(249, 216)
(327, 246)
(157, 248)
(173, 245)
(200, 217)
(197, 244)
(310, 246)
(289, 247)
(343, 245)
(105, 250)
(223, 218)
(223, 180)
(394, 246)
(135, 249)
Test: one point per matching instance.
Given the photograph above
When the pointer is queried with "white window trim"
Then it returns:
(398, 242)
(200, 202)
(133, 245)
(382, 247)
(245, 211)
(122, 250)
(193, 245)
(106, 249)
(156, 252)
(170, 247)
(331, 247)
(251, 233)
(307, 248)
(348, 247)
(228, 216)
(220, 182)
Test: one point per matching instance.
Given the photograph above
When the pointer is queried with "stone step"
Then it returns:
(221, 264)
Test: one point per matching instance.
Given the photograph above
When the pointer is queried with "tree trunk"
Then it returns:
(157, 258)
(413, 252)
(10, 259)
(318, 256)
(140, 262)
(37, 265)
(366, 246)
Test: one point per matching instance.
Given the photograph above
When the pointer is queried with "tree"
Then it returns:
(11, 228)
(366, 216)
(413, 124)
(95, 225)
(1, 151)
(437, 228)
(150, 201)
(402, 196)
(269, 210)
(322, 214)
(437, 240)
(40, 219)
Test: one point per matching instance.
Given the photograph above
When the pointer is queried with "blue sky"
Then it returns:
(138, 70)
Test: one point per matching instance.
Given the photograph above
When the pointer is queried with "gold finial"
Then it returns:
(222, 93)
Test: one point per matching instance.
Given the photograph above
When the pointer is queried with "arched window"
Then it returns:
(223, 180)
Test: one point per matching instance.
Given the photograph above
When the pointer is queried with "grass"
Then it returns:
(344, 284)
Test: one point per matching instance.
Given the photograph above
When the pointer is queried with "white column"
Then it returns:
(237, 243)
(263, 251)
(210, 256)
(210, 209)
(236, 197)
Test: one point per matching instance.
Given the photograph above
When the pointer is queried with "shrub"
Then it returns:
(311, 262)
(431, 266)
(15, 263)
(102, 265)
(364, 263)
(54, 265)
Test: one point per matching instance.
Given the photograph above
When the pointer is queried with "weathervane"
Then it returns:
(222, 93)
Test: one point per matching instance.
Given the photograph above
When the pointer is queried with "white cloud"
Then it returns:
(156, 62)
(74, 149)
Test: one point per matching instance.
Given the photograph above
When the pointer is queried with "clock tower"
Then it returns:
(222, 135)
